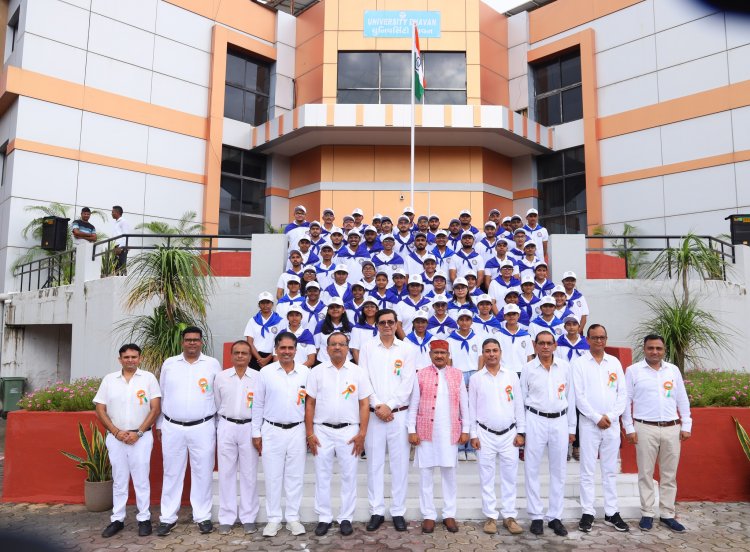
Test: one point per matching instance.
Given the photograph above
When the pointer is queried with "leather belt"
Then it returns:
(659, 424)
(284, 426)
(399, 409)
(503, 432)
(547, 414)
(137, 430)
(188, 424)
(336, 426)
(237, 421)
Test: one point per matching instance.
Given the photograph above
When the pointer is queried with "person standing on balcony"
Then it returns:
(82, 229)
(121, 228)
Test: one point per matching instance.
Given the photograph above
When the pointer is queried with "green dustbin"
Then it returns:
(12, 390)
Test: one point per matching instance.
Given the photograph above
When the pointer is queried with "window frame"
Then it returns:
(561, 178)
(249, 180)
(558, 59)
(248, 59)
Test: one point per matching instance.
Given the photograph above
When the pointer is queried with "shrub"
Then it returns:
(75, 396)
(715, 388)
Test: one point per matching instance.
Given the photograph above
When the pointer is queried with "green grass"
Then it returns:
(75, 396)
(715, 388)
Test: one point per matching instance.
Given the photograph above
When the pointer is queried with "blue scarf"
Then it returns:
(320, 269)
(576, 294)
(579, 348)
(333, 292)
(266, 326)
(520, 333)
(544, 288)
(489, 248)
(368, 327)
(444, 327)
(306, 338)
(439, 257)
(312, 313)
(493, 322)
(349, 305)
(399, 294)
(452, 305)
(514, 282)
(539, 321)
(286, 299)
(467, 258)
(401, 244)
(293, 226)
(422, 302)
(382, 301)
(396, 259)
(423, 347)
(415, 257)
(464, 340)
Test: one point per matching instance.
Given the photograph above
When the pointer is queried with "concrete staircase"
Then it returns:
(469, 493)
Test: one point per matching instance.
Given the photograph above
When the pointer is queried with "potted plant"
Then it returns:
(98, 485)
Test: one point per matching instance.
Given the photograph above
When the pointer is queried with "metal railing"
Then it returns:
(52, 271)
(625, 247)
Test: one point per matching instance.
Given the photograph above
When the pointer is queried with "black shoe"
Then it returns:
(322, 528)
(616, 521)
(346, 528)
(557, 526)
(399, 523)
(587, 520)
(164, 529)
(205, 527)
(537, 527)
(144, 528)
(375, 522)
(112, 529)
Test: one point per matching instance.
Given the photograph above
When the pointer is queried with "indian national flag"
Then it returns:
(418, 68)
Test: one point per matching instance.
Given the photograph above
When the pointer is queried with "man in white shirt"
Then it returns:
(337, 411)
(261, 330)
(279, 433)
(601, 395)
(127, 404)
(498, 425)
(536, 233)
(234, 392)
(546, 386)
(121, 227)
(659, 406)
(389, 363)
(187, 426)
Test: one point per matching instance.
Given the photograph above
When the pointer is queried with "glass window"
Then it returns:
(248, 89)
(242, 200)
(557, 88)
(562, 191)
(445, 70)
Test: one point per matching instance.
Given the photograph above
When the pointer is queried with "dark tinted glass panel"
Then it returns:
(447, 97)
(251, 225)
(228, 223)
(394, 70)
(575, 193)
(548, 110)
(233, 98)
(231, 160)
(229, 198)
(358, 70)
(264, 79)
(254, 166)
(235, 69)
(445, 70)
(256, 108)
(253, 197)
(572, 104)
(554, 225)
(551, 197)
(249, 115)
(574, 160)
(258, 77)
(549, 166)
(570, 70)
(357, 96)
(395, 96)
(576, 224)
(547, 77)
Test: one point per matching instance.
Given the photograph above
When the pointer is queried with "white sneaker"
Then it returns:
(295, 527)
(471, 456)
(462, 455)
(271, 529)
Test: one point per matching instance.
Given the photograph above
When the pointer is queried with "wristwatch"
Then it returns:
(139, 433)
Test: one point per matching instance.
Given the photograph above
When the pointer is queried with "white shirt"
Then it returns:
(121, 227)
(538, 236)
(464, 360)
(493, 404)
(337, 392)
(600, 388)
(412, 265)
(361, 336)
(235, 397)
(188, 389)
(391, 371)
(461, 267)
(280, 396)
(516, 351)
(549, 391)
(579, 307)
(263, 340)
(303, 349)
(421, 357)
(656, 395)
(406, 311)
(128, 402)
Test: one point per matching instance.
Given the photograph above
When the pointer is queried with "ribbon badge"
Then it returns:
(561, 391)
(351, 388)
(301, 396)
(250, 399)
(141, 394)
(668, 385)
(612, 379)
(397, 367)
(509, 392)
(203, 384)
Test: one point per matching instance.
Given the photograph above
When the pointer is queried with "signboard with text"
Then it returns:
(397, 24)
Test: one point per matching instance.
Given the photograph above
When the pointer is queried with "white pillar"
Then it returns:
(567, 252)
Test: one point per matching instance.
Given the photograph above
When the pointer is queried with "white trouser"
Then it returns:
(199, 441)
(604, 443)
(130, 461)
(237, 453)
(335, 442)
(283, 458)
(494, 447)
(426, 499)
(552, 434)
(395, 437)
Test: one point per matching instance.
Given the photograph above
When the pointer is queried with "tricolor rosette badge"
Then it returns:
(351, 388)
(612, 379)
(203, 384)
(397, 367)
(509, 392)
(301, 396)
(561, 391)
(668, 385)
(250, 399)
(141, 394)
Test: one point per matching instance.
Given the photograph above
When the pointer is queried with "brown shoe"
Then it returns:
(512, 526)
(577, 454)
(451, 525)
(490, 526)
(428, 525)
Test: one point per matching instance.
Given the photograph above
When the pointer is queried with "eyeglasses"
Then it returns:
(598, 338)
(192, 340)
(386, 322)
(545, 343)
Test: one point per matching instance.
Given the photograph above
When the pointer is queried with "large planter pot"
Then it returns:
(97, 495)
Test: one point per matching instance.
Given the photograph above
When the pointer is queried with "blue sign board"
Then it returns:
(397, 24)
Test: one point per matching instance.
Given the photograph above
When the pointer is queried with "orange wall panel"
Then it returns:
(493, 55)
(498, 169)
(310, 23)
(305, 168)
(490, 201)
(354, 163)
(309, 87)
(562, 15)
(311, 202)
(309, 55)
(450, 164)
(493, 24)
(392, 164)
(493, 88)
(248, 17)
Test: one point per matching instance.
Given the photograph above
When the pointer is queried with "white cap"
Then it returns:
(433, 216)
(569, 274)
(309, 268)
(506, 219)
(399, 272)
(357, 211)
(328, 211)
(532, 211)
(527, 279)
(341, 268)
(465, 312)
(409, 209)
(441, 232)
(368, 228)
(415, 279)
(419, 313)
(300, 208)
(315, 223)
(467, 233)
(558, 289)
(502, 240)
(335, 301)
(265, 296)
(370, 299)
(337, 230)
(403, 217)
(460, 282)
(490, 223)
(387, 237)
(529, 244)
(326, 245)
(484, 298)
(464, 212)
(516, 216)
(360, 284)
(470, 273)
(539, 263)
(510, 308)
(546, 300)
(368, 262)
(510, 290)
(428, 257)
(302, 238)
(377, 216)
(383, 271)
(289, 253)
(441, 274)
(294, 279)
(348, 217)
(295, 308)
(312, 284)
(494, 211)
(439, 298)
(571, 317)
(506, 262)
(519, 231)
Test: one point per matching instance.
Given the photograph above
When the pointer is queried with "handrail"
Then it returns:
(59, 270)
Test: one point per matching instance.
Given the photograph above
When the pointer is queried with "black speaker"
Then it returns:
(54, 233)
(739, 226)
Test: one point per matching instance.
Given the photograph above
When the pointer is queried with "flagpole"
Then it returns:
(413, 77)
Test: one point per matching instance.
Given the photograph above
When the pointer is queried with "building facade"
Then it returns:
(599, 113)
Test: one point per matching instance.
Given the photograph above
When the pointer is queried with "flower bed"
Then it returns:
(715, 388)
(77, 396)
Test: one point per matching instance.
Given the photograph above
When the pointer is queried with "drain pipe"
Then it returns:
(5, 299)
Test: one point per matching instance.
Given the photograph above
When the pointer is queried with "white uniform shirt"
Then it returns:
(280, 397)
(188, 389)
(463, 359)
(391, 371)
(234, 396)
(128, 402)
(461, 266)
(579, 307)
(263, 340)
(496, 401)
(413, 262)
(516, 350)
(656, 396)
(303, 349)
(539, 235)
(337, 392)
(549, 391)
(600, 388)
(361, 336)
(121, 227)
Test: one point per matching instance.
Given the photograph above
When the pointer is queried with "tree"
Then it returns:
(186, 225)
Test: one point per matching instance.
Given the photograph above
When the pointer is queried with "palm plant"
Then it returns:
(96, 460)
(633, 259)
(186, 225)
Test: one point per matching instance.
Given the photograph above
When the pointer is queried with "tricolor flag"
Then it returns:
(418, 68)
